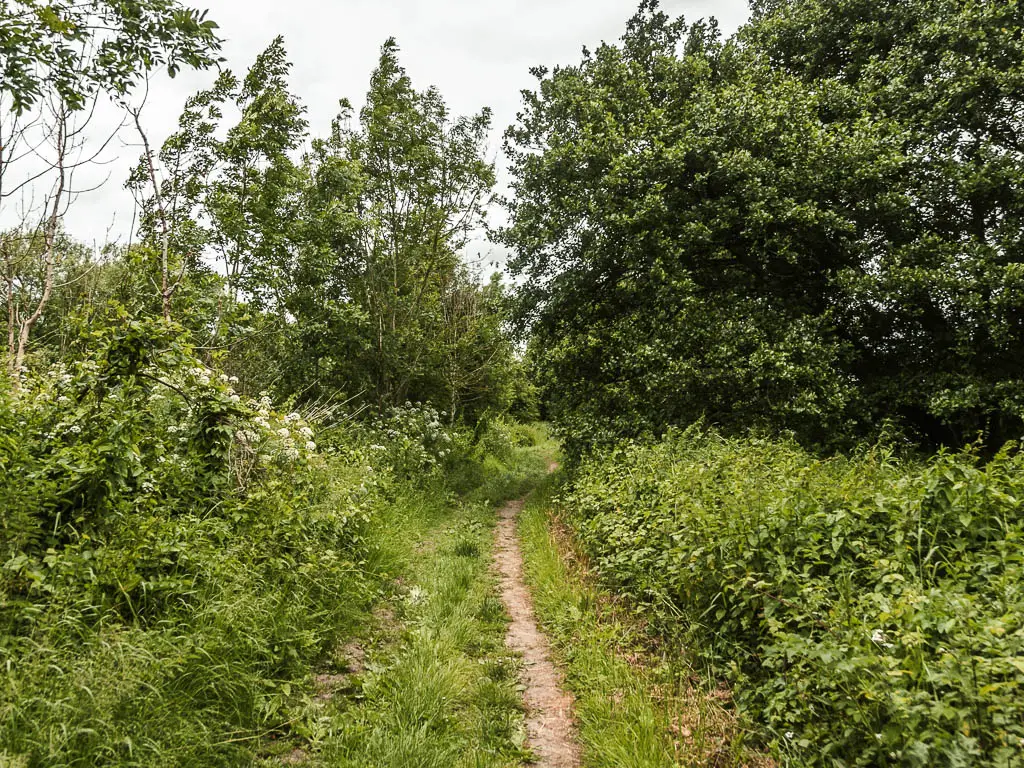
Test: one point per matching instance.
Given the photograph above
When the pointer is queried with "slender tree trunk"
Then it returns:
(49, 245)
(167, 288)
(12, 312)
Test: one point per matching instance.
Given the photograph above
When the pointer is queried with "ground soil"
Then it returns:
(549, 718)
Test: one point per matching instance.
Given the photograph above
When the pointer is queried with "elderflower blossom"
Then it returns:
(306, 432)
(283, 433)
(310, 446)
(291, 418)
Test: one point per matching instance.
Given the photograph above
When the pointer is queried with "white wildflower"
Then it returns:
(204, 380)
(75, 429)
(790, 734)
(879, 638)
(310, 446)
(224, 377)
(283, 433)
(306, 432)
(233, 380)
(235, 399)
(291, 418)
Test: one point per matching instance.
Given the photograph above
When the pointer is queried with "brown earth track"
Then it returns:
(549, 718)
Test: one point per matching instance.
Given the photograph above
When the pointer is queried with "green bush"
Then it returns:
(869, 610)
(172, 558)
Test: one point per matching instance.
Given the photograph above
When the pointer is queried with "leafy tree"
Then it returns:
(75, 49)
(426, 185)
(678, 232)
(939, 313)
(706, 232)
(251, 201)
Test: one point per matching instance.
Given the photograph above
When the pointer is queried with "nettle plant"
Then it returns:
(135, 434)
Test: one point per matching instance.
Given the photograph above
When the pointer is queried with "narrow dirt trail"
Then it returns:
(549, 720)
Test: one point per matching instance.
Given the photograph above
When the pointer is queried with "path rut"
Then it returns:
(549, 719)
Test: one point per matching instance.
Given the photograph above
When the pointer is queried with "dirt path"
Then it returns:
(549, 721)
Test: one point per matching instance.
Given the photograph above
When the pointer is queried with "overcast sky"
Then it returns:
(477, 52)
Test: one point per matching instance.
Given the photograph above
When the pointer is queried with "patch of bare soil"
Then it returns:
(549, 719)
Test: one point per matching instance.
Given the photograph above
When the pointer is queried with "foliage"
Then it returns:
(76, 48)
(175, 557)
(786, 230)
(169, 550)
(343, 271)
(636, 702)
(868, 610)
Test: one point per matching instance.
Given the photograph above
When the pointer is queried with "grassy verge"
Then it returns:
(636, 703)
(428, 681)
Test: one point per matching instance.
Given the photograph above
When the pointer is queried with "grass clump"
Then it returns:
(868, 610)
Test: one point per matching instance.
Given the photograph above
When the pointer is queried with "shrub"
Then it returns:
(869, 611)
(172, 555)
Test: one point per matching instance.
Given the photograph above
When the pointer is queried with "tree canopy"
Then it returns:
(811, 226)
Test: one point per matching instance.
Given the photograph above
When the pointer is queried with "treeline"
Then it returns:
(328, 269)
(812, 226)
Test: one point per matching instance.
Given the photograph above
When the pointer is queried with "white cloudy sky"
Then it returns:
(477, 52)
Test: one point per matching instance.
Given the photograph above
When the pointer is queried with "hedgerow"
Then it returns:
(868, 610)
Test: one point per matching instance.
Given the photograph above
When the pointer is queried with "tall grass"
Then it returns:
(868, 610)
(637, 704)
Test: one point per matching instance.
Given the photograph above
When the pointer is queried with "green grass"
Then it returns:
(224, 674)
(437, 687)
(636, 704)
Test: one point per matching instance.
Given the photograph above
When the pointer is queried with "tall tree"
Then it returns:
(427, 183)
(779, 230)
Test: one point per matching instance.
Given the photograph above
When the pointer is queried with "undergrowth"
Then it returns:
(867, 610)
(176, 559)
(638, 703)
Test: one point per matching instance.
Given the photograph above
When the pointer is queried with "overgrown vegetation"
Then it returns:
(737, 263)
(638, 702)
(867, 610)
(178, 559)
(210, 437)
